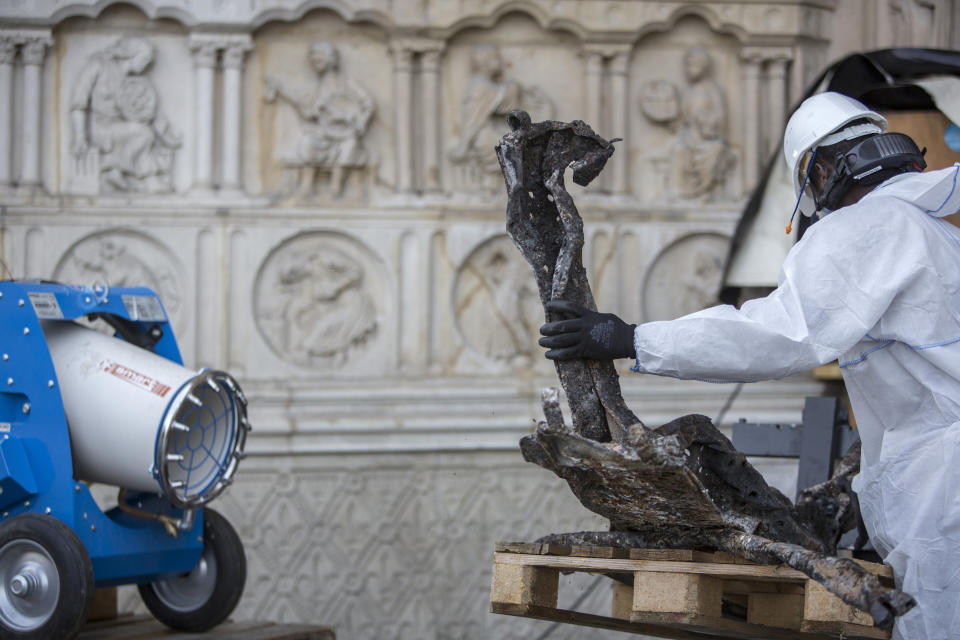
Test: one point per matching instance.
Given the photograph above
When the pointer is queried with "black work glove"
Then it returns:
(586, 334)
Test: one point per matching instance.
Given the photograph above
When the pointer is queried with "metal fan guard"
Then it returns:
(203, 432)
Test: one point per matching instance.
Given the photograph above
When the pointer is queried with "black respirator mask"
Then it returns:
(871, 162)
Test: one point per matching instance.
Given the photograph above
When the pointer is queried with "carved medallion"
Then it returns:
(316, 301)
(497, 306)
(685, 277)
(660, 101)
(124, 258)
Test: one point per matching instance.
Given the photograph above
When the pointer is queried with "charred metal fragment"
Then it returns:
(682, 485)
(831, 507)
(545, 225)
(842, 576)
(653, 502)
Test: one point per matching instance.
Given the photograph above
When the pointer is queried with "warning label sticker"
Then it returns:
(144, 308)
(135, 378)
(45, 305)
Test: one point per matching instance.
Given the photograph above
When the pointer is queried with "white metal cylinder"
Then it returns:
(140, 421)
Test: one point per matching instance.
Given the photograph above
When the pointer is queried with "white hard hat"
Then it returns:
(821, 121)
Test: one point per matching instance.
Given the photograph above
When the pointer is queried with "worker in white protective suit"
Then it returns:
(876, 285)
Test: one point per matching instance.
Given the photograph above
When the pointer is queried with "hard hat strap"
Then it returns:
(802, 187)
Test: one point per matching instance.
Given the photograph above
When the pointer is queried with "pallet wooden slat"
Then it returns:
(680, 594)
(612, 565)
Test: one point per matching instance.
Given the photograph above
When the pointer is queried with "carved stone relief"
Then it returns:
(685, 277)
(124, 259)
(334, 117)
(482, 118)
(497, 307)
(699, 158)
(121, 141)
(315, 304)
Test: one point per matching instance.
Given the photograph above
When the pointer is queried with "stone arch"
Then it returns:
(342, 8)
(705, 13)
(148, 8)
(489, 20)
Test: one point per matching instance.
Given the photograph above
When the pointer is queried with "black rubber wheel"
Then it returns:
(203, 597)
(46, 579)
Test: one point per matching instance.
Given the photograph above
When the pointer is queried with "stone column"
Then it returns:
(430, 85)
(402, 117)
(204, 51)
(751, 58)
(619, 118)
(8, 51)
(33, 53)
(777, 90)
(233, 55)
(594, 71)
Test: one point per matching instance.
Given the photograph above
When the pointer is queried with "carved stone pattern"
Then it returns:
(383, 553)
(496, 303)
(233, 56)
(402, 56)
(430, 60)
(125, 259)
(618, 16)
(314, 303)
(8, 49)
(35, 50)
(620, 62)
(685, 277)
(204, 53)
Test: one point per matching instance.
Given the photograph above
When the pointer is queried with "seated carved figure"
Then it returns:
(114, 112)
(699, 158)
(488, 99)
(335, 116)
(701, 151)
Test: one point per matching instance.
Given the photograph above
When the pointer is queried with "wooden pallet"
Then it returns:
(680, 594)
(144, 627)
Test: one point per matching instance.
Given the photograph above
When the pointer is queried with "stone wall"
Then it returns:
(310, 187)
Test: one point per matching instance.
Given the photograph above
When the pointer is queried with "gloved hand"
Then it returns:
(587, 334)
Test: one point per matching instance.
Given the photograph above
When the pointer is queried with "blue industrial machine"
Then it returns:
(79, 406)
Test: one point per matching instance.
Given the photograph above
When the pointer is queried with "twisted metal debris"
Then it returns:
(681, 485)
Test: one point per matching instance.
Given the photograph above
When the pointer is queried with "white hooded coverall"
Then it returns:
(877, 286)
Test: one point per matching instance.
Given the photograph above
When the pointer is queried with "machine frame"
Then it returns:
(36, 466)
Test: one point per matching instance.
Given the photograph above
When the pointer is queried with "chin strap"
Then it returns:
(800, 195)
